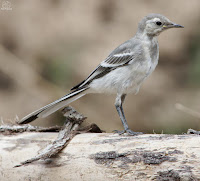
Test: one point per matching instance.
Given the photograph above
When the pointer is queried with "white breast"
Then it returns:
(151, 58)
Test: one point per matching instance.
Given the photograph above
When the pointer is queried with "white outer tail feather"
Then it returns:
(54, 106)
(58, 105)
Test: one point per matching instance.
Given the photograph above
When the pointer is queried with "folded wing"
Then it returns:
(121, 56)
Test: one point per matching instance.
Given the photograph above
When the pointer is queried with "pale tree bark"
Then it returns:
(103, 156)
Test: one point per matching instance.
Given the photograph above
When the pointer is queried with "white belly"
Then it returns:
(126, 79)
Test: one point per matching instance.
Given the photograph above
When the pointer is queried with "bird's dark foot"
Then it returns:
(128, 131)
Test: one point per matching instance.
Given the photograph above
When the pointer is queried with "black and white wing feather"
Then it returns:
(121, 56)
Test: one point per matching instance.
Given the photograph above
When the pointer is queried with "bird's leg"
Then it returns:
(122, 101)
(118, 104)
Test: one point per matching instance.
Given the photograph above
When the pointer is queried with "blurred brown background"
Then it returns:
(46, 47)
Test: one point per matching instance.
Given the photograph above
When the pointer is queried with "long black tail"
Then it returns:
(54, 106)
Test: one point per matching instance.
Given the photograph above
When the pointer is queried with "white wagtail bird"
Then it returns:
(122, 72)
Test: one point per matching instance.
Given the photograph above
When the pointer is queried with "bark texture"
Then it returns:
(103, 156)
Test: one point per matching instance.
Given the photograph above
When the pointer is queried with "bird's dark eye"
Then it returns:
(158, 23)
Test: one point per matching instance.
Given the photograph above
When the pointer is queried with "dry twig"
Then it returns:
(9, 129)
(70, 129)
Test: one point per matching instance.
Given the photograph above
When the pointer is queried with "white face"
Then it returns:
(154, 26)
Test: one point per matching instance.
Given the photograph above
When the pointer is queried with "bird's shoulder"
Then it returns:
(124, 53)
(126, 47)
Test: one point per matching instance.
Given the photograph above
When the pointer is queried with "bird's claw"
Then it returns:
(128, 131)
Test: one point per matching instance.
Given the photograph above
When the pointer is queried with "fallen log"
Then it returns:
(36, 153)
(102, 156)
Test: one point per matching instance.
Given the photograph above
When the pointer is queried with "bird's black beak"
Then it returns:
(177, 26)
(172, 25)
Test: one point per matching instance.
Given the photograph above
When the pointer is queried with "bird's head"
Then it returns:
(154, 24)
